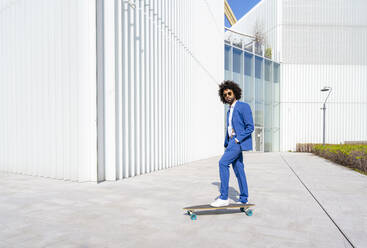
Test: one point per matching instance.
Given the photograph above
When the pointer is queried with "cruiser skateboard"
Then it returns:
(243, 207)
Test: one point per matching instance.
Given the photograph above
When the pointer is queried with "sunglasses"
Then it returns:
(227, 94)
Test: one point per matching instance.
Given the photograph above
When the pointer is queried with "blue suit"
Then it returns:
(243, 126)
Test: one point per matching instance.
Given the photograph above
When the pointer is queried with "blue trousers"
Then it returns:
(233, 155)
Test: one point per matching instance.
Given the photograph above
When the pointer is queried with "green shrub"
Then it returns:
(268, 53)
(352, 156)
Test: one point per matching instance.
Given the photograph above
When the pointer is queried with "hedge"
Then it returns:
(352, 156)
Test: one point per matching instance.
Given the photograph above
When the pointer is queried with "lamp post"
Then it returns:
(326, 88)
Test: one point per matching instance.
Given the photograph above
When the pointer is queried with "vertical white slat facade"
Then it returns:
(48, 88)
(301, 114)
(323, 45)
(169, 62)
(319, 43)
(105, 90)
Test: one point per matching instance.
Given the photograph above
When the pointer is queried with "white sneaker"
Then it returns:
(219, 203)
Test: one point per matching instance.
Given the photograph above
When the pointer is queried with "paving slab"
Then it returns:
(340, 191)
(146, 211)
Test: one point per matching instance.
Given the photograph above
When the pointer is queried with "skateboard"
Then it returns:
(243, 207)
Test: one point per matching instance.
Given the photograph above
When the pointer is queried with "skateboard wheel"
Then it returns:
(249, 212)
(193, 217)
(189, 212)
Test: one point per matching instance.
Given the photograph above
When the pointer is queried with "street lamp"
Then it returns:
(326, 88)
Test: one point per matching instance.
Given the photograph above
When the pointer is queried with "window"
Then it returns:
(267, 70)
(237, 55)
(276, 73)
(258, 67)
(227, 50)
(248, 64)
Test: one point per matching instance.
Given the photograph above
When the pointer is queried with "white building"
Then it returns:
(318, 43)
(104, 90)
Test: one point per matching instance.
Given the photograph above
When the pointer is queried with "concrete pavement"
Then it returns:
(301, 201)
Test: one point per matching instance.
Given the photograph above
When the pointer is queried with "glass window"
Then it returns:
(259, 115)
(268, 140)
(276, 73)
(267, 70)
(248, 64)
(259, 79)
(237, 60)
(258, 67)
(268, 92)
(248, 92)
(268, 116)
(227, 50)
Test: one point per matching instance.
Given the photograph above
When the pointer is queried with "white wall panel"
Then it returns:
(324, 32)
(319, 43)
(323, 45)
(146, 87)
(301, 100)
(48, 88)
(169, 112)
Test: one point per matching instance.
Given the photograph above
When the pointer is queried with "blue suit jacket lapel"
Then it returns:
(233, 116)
(228, 117)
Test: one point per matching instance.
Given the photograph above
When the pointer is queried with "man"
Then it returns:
(238, 138)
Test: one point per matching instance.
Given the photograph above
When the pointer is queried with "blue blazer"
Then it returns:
(243, 125)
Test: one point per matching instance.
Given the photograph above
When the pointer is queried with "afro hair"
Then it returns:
(228, 84)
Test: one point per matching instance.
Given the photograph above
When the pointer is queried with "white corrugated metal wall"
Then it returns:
(346, 113)
(149, 81)
(324, 32)
(48, 88)
(164, 109)
(319, 43)
(323, 45)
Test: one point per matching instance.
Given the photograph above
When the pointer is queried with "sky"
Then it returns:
(240, 8)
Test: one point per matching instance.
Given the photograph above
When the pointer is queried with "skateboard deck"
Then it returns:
(243, 207)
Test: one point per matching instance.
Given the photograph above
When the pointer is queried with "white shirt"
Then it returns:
(230, 128)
